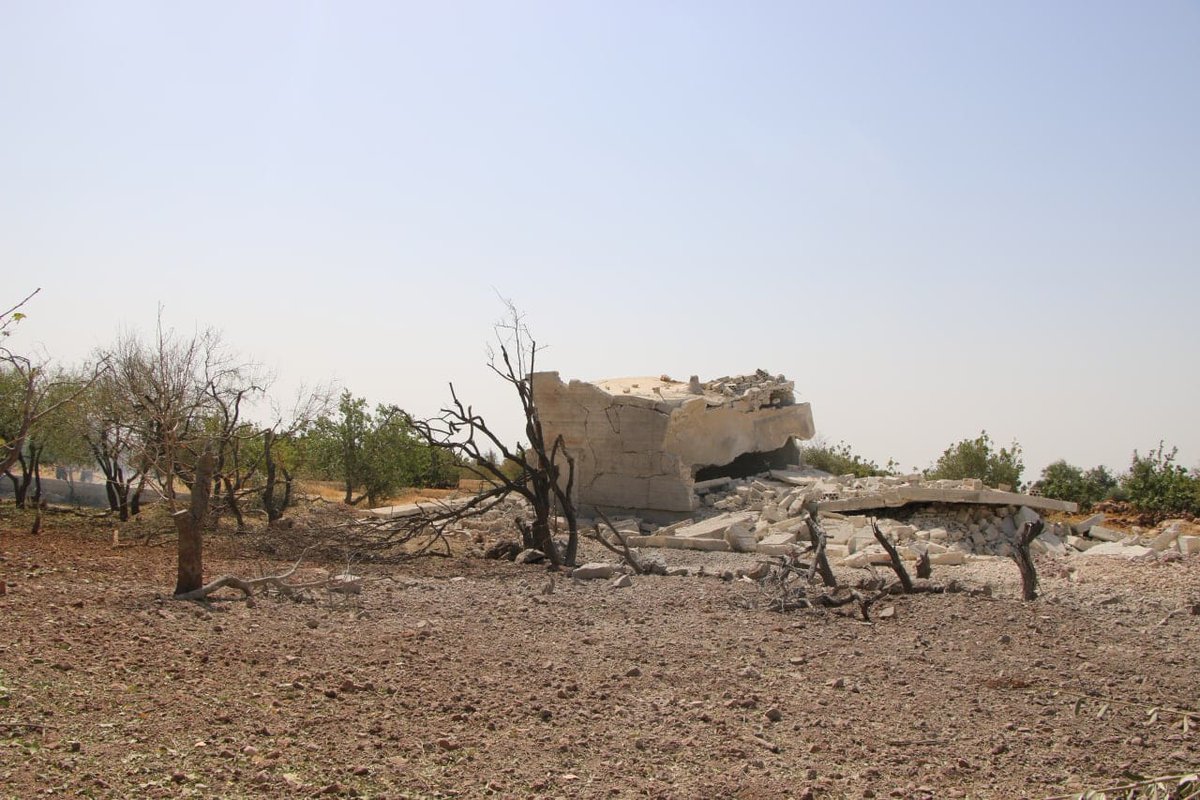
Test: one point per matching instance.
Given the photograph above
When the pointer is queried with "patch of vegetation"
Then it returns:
(839, 459)
(979, 458)
(374, 453)
(1156, 484)
(1063, 481)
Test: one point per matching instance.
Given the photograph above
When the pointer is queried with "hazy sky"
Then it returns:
(935, 217)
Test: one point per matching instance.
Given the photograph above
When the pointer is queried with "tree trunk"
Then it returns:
(18, 495)
(1020, 553)
(190, 525)
(231, 500)
(135, 502)
(36, 453)
(287, 490)
(274, 511)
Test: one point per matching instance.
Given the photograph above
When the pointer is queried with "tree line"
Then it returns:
(143, 409)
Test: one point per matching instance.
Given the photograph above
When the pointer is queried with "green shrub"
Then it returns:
(1155, 483)
(977, 458)
(839, 459)
(1063, 481)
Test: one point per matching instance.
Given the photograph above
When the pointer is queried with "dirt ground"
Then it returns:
(461, 678)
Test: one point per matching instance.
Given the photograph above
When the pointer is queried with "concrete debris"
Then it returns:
(643, 443)
(1117, 549)
(1087, 524)
(1106, 534)
(530, 557)
(593, 571)
(849, 494)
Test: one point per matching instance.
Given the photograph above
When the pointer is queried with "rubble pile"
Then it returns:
(954, 521)
(951, 521)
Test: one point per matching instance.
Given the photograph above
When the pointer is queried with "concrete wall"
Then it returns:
(637, 442)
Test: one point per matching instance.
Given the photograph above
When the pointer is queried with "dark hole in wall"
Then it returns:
(748, 464)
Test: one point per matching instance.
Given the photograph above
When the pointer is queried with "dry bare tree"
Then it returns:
(545, 470)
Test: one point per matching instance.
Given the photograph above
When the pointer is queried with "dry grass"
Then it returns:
(335, 492)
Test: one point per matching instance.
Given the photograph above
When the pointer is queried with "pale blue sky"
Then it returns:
(935, 217)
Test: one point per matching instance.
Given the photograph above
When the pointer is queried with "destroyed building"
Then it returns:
(645, 443)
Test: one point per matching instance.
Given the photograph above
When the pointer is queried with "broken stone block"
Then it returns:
(772, 513)
(1117, 549)
(715, 527)
(593, 570)
(1106, 534)
(1051, 543)
(1189, 545)
(741, 539)
(1087, 524)
(838, 551)
(1080, 543)
(623, 582)
(1167, 538)
(857, 560)
(949, 558)
(1026, 514)
(530, 556)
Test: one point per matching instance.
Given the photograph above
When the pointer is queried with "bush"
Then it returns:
(1063, 481)
(1157, 484)
(839, 459)
(977, 458)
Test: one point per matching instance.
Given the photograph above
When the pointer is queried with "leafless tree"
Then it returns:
(545, 471)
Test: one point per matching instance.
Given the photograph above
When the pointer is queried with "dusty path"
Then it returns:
(428, 685)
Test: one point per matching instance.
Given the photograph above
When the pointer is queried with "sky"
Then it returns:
(936, 218)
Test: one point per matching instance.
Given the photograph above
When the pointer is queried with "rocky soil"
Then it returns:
(473, 678)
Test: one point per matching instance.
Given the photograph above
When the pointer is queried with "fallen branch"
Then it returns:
(248, 586)
(624, 552)
(1188, 782)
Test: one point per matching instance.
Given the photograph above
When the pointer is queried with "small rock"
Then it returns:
(774, 714)
(836, 683)
(623, 582)
(530, 556)
(593, 571)
(633, 672)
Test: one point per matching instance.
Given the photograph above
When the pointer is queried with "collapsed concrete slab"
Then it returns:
(643, 443)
